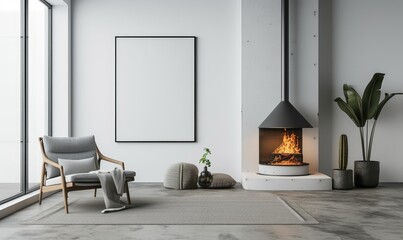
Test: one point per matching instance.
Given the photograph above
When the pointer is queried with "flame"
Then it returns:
(289, 144)
(290, 160)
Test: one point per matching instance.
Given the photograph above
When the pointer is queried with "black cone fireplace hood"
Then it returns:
(285, 115)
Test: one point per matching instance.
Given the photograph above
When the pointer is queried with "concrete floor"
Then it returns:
(363, 214)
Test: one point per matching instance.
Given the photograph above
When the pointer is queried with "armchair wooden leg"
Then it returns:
(128, 194)
(42, 182)
(66, 205)
(95, 192)
(40, 194)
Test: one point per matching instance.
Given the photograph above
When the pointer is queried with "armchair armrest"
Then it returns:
(111, 160)
(46, 160)
(51, 163)
(56, 165)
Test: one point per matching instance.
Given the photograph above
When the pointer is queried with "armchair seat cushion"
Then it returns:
(86, 179)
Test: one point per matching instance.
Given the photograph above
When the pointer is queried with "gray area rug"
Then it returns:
(203, 208)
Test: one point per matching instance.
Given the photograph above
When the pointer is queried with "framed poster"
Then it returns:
(155, 89)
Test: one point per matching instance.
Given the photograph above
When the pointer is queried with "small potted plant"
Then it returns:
(343, 177)
(363, 111)
(205, 178)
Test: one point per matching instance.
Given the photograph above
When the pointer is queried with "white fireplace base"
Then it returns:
(313, 181)
(284, 170)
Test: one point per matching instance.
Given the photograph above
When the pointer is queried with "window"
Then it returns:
(10, 98)
(24, 93)
(38, 78)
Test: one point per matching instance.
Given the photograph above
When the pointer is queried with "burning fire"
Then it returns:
(286, 153)
(289, 144)
(290, 160)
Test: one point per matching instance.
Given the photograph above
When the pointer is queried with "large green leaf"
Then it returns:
(372, 95)
(348, 110)
(353, 99)
(382, 104)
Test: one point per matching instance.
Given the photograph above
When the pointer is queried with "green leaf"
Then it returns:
(353, 99)
(372, 95)
(348, 110)
(204, 160)
(382, 104)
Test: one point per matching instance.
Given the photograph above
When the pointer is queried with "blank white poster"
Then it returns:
(155, 89)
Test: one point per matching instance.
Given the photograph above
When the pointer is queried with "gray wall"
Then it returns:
(361, 37)
(261, 72)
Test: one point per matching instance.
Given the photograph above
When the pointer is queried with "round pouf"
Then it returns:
(181, 176)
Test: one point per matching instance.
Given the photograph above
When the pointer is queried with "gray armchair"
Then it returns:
(66, 163)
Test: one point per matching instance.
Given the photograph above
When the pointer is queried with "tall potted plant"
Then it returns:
(365, 111)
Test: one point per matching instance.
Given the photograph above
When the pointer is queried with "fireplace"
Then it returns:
(280, 134)
(281, 130)
(280, 152)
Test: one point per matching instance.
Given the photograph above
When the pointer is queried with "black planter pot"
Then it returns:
(366, 174)
(205, 178)
(342, 179)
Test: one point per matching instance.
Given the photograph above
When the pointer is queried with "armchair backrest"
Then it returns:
(73, 148)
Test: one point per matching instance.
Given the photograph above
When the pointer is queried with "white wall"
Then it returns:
(61, 72)
(217, 26)
(366, 38)
(356, 39)
(261, 72)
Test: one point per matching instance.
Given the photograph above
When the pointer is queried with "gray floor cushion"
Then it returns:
(222, 180)
(181, 176)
